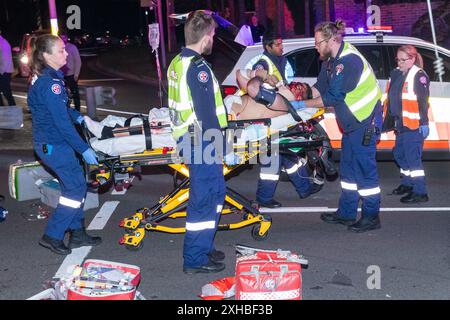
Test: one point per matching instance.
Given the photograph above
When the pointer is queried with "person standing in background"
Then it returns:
(6, 69)
(256, 29)
(72, 70)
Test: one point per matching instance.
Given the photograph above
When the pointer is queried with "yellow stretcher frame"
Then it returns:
(173, 205)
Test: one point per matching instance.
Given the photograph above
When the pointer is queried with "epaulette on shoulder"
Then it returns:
(198, 60)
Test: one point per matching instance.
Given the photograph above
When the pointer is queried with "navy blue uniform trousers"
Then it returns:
(206, 196)
(270, 173)
(69, 211)
(408, 155)
(359, 176)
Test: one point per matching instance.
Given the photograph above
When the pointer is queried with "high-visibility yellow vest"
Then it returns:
(181, 107)
(362, 100)
(273, 70)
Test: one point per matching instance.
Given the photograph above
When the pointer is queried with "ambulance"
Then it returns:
(380, 51)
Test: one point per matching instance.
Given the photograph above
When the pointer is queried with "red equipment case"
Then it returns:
(269, 275)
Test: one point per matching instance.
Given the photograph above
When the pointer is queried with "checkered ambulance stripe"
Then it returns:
(276, 295)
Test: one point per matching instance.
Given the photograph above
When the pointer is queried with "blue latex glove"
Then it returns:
(424, 130)
(298, 105)
(231, 159)
(80, 119)
(90, 157)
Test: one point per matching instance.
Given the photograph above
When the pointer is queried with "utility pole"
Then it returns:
(53, 17)
(171, 35)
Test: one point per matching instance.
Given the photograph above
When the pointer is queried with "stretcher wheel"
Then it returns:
(135, 248)
(256, 235)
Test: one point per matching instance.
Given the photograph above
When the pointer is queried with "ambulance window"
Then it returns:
(305, 63)
(428, 59)
(374, 55)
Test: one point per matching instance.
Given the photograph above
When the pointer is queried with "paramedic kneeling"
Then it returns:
(55, 142)
(279, 70)
(195, 100)
(347, 83)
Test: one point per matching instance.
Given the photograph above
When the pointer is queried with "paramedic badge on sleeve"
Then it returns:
(203, 76)
(423, 80)
(56, 88)
(339, 68)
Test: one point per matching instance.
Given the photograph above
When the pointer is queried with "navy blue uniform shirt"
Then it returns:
(339, 76)
(52, 120)
(421, 89)
(200, 82)
(279, 62)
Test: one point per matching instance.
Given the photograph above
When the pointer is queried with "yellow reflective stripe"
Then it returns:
(199, 226)
(364, 76)
(369, 192)
(364, 101)
(69, 202)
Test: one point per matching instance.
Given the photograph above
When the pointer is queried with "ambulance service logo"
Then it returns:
(56, 88)
(203, 76)
(339, 68)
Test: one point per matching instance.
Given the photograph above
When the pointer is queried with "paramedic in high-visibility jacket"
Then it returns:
(406, 112)
(347, 83)
(56, 143)
(195, 103)
(279, 71)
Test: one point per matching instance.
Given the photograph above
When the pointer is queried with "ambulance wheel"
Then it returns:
(135, 248)
(256, 235)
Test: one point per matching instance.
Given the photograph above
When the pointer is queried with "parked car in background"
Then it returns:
(380, 52)
(24, 51)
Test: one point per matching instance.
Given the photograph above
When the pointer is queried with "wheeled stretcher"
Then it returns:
(305, 138)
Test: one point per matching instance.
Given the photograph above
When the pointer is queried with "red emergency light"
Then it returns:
(386, 29)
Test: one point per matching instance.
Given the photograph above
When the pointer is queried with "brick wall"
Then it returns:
(349, 11)
(401, 16)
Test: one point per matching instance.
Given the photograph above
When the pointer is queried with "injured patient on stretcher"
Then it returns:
(120, 136)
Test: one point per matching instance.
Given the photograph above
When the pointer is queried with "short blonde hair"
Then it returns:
(198, 24)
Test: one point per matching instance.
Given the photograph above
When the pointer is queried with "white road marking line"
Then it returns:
(79, 254)
(327, 209)
(115, 192)
(102, 217)
(75, 258)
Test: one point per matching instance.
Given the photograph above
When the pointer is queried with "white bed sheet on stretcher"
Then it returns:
(163, 138)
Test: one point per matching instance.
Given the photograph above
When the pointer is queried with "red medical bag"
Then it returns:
(269, 275)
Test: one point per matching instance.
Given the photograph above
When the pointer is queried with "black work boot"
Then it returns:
(55, 245)
(402, 189)
(365, 224)
(216, 255)
(79, 238)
